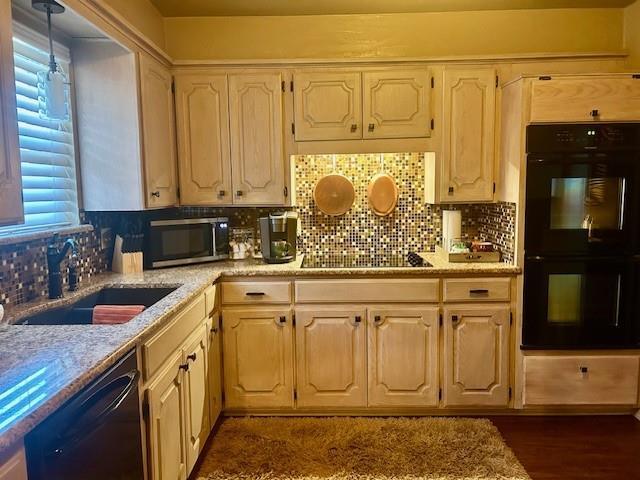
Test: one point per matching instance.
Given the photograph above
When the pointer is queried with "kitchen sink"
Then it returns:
(81, 311)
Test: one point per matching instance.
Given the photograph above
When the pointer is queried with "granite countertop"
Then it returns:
(43, 366)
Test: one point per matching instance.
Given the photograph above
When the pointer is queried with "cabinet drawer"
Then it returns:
(370, 290)
(476, 289)
(156, 350)
(256, 292)
(581, 380)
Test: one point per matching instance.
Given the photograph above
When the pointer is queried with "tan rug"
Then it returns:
(346, 448)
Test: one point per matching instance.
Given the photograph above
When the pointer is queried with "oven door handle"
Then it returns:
(72, 434)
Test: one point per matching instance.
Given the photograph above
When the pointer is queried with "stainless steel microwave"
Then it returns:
(186, 241)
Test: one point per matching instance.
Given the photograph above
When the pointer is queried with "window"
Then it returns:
(46, 148)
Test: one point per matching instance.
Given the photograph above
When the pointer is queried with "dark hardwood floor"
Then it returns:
(568, 448)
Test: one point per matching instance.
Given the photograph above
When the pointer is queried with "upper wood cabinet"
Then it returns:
(11, 209)
(126, 128)
(469, 135)
(605, 98)
(403, 356)
(343, 104)
(328, 105)
(204, 155)
(158, 133)
(258, 358)
(257, 138)
(397, 103)
(476, 355)
(331, 356)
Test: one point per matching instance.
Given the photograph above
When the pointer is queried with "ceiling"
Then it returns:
(195, 8)
(68, 24)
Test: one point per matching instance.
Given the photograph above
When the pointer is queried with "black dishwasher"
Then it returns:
(96, 434)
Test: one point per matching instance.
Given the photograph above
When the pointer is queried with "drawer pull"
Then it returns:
(192, 357)
(283, 319)
(454, 319)
(354, 127)
(584, 369)
(358, 319)
(377, 319)
(185, 367)
(479, 291)
(255, 294)
(372, 127)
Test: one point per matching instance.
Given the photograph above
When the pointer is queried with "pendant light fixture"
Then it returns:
(53, 85)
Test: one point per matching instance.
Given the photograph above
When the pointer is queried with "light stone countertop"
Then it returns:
(59, 360)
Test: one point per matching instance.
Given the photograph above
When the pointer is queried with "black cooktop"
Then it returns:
(362, 261)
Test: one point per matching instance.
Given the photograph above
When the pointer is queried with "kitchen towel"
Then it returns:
(115, 314)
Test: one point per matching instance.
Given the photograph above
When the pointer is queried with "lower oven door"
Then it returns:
(581, 303)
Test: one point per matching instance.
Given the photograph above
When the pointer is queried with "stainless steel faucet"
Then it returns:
(54, 259)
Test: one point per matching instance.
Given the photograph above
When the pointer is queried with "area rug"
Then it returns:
(345, 448)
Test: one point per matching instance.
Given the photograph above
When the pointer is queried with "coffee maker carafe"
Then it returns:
(278, 234)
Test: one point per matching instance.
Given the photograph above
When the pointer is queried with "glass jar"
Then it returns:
(241, 243)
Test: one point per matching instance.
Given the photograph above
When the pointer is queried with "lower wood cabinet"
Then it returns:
(13, 465)
(476, 355)
(403, 356)
(196, 395)
(331, 356)
(215, 368)
(165, 395)
(258, 358)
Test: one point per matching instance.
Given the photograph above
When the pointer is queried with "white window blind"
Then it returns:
(46, 147)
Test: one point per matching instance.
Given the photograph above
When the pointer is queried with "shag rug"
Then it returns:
(345, 448)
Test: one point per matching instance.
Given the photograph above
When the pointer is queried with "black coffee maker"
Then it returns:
(278, 234)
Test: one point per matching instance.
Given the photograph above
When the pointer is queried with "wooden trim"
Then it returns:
(404, 60)
(571, 75)
(122, 28)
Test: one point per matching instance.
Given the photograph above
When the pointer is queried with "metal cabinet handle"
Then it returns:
(354, 128)
(155, 194)
(192, 357)
(283, 319)
(185, 367)
(377, 319)
(595, 113)
(584, 369)
(239, 193)
(372, 127)
(478, 291)
(450, 190)
(255, 294)
(222, 193)
(214, 330)
(358, 319)
(454, 319)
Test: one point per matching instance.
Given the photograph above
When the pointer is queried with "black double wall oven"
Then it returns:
(582, 236)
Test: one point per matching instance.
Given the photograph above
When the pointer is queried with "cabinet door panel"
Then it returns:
(158, 130)
(258, 358)
(403, 356)
(328, 105)
(397, 104)
(257, 155)
(476, 355)
(166, 423)
(215, 369)
(204, 156)
(196, 398)
(331, 357)
(469, 129)
(11, 210)
(574, 99)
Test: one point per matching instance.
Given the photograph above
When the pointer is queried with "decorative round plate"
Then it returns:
(334, 194)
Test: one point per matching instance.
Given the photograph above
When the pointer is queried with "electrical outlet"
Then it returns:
(105, 238)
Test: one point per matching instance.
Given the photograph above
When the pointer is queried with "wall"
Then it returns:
(396, 35)
(632, 33)
(144, 16)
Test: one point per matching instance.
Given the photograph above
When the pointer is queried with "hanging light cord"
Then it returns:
(53, 67)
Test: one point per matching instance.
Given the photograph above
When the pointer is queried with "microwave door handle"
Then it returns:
(214, 246)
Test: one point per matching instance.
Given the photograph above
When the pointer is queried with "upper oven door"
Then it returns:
(582, 204)
(180, 242)
(577, 302)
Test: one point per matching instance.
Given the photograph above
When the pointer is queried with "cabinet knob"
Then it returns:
(358, 319)
(377, 319)
(155, 194)
(372, 127)
(595, 113)
(239, 193)
(185, 367)
(354, 128)
(214, 330)
(454, 319)
(584, 369)
(450, 190)
(192, 357)
(283, 319)
(222, 193)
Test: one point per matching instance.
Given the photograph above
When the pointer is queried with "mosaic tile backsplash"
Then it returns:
(413, 226)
